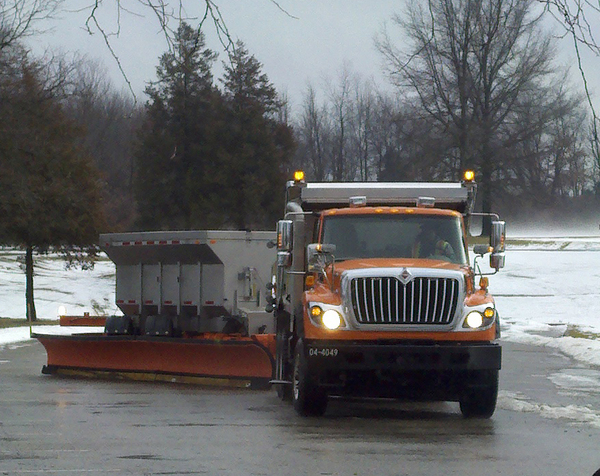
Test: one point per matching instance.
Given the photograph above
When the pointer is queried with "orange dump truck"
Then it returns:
(374, 296)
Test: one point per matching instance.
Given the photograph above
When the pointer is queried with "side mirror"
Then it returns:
(285, 229)
(497, 260)
(498, 243)
(318, 255)
(498, 236)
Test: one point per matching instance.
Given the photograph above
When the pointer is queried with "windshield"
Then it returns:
(395, 236)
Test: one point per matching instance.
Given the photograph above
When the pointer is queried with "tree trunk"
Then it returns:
(31, 314)
(486, 182)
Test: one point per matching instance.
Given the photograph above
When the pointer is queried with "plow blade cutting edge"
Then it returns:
(245, 362)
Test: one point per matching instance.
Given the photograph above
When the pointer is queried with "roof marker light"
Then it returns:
(356, 202)
(425, 202)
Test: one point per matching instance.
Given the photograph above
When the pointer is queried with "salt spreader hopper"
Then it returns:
(192, 306)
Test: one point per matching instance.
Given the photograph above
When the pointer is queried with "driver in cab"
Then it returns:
(430, 245)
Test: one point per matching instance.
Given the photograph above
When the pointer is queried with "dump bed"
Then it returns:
(320, 196)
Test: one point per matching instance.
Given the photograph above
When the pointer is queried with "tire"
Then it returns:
(307, 397)
(480, 395)
(282, 371)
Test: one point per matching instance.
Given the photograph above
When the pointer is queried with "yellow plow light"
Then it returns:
(469, 176)
(299, 176)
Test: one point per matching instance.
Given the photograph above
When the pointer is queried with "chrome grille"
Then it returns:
(386, 300)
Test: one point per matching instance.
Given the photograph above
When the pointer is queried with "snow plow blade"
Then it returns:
(229, 361)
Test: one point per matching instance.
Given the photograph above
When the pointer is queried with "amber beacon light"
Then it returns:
(469, 176)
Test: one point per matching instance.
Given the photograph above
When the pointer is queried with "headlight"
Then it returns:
(477, 319)
(474, 320)
(331, 319)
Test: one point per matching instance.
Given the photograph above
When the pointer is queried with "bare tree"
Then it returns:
(341, 113)
(362, 125)
(578, 18)
(545, 150)
(468, 62)
(18, 18)
(111, 121)
(313, 129)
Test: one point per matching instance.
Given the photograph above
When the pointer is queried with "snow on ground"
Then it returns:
(550, 285)
(78, 290)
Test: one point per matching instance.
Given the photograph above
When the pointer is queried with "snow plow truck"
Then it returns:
(364, 290)
(374, 296)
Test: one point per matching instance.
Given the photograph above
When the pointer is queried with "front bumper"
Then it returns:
(323, 356)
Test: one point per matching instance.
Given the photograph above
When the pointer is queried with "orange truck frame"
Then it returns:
(374, 296)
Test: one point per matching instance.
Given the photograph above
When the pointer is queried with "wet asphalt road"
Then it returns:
(52, 425)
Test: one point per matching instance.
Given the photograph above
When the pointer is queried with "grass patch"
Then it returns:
(485, 240)
(6, 322)
(574, 331)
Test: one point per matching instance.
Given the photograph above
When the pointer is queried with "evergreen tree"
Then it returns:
(179, 141)
(50, 193)
(258, 145)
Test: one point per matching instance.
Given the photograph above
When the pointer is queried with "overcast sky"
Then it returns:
(313, 42)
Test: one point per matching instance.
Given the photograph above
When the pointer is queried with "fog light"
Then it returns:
(331, 319)
(474, 320)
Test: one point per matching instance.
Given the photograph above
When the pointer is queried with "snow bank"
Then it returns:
(12, 335)
(574, 413)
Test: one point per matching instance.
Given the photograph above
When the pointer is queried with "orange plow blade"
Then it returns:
(215, 360)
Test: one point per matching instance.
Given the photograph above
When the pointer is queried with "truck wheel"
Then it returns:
(308, 398)
(480, 394)
(284, 391)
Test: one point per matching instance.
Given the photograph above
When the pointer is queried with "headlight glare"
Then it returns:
(474, 320)
(331, 319)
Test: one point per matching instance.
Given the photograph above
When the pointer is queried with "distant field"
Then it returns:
(6, 322)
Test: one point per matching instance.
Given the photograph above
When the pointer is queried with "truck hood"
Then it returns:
(347, 265)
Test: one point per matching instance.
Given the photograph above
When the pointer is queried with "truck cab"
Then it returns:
(374, 296)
